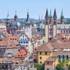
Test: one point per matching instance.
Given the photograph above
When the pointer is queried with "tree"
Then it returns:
(68, 67)
(59, 67)
(39, 66)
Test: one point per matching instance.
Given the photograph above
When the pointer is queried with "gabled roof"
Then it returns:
(24, 34)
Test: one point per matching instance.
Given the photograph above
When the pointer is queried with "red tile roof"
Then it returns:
(54, 44)
(21, 53)
(45, 47)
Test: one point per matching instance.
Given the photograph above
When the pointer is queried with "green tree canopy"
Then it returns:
(59, 67)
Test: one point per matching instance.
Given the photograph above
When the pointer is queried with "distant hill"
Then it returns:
(67, 20)
(22, 20)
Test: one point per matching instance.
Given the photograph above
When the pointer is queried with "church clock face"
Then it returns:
(23, 40)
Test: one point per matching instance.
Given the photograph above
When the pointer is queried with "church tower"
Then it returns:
(8, 24)
(62, 18)
(14, 25)
(46, 26)
(54, 23)
(50, 27)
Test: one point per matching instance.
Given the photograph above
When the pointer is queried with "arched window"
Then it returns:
(67, 57)
(63, 57)
(59, 57)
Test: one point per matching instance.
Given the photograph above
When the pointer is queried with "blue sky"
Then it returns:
(36, 8)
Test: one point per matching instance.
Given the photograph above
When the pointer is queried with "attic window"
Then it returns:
(45, 53)
(15, 39)
(62, 38)
(18, 49)
(40, 53)
(50, 38)
(40, 62)
(40, 57)
(35, 49)
(48, 62)
(16, 62)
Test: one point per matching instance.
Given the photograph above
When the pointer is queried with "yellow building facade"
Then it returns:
(43, 56)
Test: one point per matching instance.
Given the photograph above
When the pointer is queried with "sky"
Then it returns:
(36, 8)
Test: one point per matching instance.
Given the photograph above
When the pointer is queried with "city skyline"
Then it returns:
(35, 8)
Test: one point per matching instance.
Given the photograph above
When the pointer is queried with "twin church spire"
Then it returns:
(46, 16)
(54, 16)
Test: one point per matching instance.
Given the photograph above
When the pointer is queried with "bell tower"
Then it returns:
(54, 23)
(50, 27)
(46, 26)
